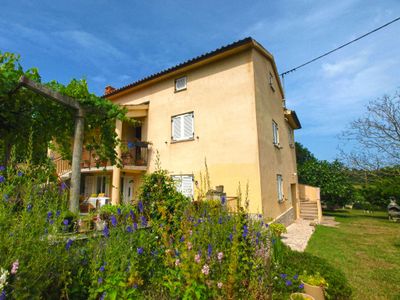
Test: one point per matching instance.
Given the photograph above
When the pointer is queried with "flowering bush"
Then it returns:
(171, 248)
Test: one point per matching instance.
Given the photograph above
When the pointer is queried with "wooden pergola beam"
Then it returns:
(78, 134)
(49, 93)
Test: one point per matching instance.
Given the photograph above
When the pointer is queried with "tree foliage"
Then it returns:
(24, 113)
(332, 177)
(303, 154)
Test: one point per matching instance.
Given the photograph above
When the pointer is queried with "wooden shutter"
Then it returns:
(187, 185)
(188, 132)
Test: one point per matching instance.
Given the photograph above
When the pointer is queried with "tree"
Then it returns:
(303, 154)
(25, 113)
(332, 178)
(376, 135)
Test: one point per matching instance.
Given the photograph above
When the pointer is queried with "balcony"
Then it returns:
(134, 156)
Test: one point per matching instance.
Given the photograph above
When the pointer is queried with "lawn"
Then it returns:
(366, 247)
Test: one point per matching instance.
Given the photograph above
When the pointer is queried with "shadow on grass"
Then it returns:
(355, 214)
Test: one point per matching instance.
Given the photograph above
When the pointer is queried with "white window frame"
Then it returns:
(279, 184)
(179, 184)
(271, 81)
(275, 133)
(178, 127)
(181, 80)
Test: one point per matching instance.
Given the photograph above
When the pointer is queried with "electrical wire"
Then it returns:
(338, 48)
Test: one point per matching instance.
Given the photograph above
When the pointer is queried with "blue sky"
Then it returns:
(117, 42)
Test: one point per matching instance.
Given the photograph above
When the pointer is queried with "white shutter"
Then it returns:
(188, 126)
(107, 189)
(187, 186)
(178, 183)
(180, 84)
(280, 187)
(176, 128)
(89, 186)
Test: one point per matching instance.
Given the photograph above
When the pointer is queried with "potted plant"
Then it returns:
(301, 296)
(314, 285)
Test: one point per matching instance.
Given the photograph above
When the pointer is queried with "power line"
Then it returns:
(340, 47)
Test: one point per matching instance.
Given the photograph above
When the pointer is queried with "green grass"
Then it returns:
(366, 248)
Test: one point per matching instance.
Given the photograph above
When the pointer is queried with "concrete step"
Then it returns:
(308, 204)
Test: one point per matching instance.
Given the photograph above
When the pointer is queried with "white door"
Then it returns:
(127, 189)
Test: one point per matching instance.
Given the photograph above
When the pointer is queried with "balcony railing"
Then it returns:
(132, 154)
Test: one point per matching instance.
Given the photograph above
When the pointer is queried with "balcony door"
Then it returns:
(127, 189)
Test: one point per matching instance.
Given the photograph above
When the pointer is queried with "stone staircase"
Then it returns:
(309, 210)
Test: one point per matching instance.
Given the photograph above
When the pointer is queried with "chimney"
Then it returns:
(108, 90)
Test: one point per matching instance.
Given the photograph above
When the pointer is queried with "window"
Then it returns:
(271, 81)
(291, 138)
(275, 133)
(183, 127)
(180, 84)
(279, 181)
(184, 184)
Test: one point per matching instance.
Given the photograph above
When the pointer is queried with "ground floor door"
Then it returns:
(126, 189)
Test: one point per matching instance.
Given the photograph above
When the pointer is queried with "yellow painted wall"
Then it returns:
(221, 95)
(273, 160)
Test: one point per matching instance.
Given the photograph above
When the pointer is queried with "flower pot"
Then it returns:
(314, 290)
(297, 296)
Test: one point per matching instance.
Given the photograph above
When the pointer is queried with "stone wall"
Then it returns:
(286, 218)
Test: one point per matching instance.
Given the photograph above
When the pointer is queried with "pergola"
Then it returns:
(78, 134)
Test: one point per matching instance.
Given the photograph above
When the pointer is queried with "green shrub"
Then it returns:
(278, 229)
(295, 263)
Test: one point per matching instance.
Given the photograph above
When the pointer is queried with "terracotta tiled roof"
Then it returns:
(183, 64)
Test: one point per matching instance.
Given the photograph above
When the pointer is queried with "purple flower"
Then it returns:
(20, 173)
(106, 231)
(63, 186)
(66, 222)
(58, 213)
(288, 283)
(29, 207)
(140, 250)
(209, 250)
(103, 296)
(129, 229)
(51, 222)
(223, 200)
(143, 221)
(49, 215)
(132, 214)
(3, 295)
(220, 220)
(2, 178)
(102, 268)
(283, 276)
(301, 286)
(245, 231)
(230, 237)
(135, 226)
(2, 168)
(118, 210)
(140, 204)
(182, 239)
(113, 220)
(100, 281)
(69, 244)
(266, 225)
(295, 277)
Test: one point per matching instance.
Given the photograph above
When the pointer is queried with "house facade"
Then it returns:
(225, 107)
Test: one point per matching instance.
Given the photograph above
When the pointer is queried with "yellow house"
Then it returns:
(226, 107)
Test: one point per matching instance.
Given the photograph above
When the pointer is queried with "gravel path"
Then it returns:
(298, 234)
